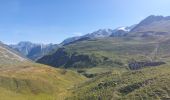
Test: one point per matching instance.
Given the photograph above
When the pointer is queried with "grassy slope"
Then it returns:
(112, 49)
(30, 81)
(123, 49)
(21, 79)
(145, 84)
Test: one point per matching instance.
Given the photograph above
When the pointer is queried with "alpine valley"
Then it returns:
(126, 63)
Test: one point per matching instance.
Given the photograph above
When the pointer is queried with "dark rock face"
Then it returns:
(130, 88)
(75, 61)
(139, 65)
(61, 58)
(57, 59)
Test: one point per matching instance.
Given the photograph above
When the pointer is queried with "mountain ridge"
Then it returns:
(102, 44)
(32, 50)
(101, 33)
(152, 26)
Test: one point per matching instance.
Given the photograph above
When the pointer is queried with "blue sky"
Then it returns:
(51, 21)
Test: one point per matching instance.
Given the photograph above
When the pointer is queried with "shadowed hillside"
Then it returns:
(109, 52)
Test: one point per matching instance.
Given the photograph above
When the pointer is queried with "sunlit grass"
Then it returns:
(30, 81)
(146, 84)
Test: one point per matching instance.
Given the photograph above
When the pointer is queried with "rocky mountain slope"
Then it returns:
(101, 33)
(152, 26)
(33, 51)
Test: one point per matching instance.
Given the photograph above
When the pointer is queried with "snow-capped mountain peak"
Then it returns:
(126, 29)
(123, 28)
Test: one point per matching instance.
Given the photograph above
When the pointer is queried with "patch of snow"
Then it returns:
(123, 28)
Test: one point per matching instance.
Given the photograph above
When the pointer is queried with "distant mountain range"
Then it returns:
(33, 51)
(102, 47)
(152, 25)
(101, 33)
(149, 27)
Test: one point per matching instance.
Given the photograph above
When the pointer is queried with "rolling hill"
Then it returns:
(21, 79)
(145, 84)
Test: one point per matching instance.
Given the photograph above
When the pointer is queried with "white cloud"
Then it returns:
(78, 33)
